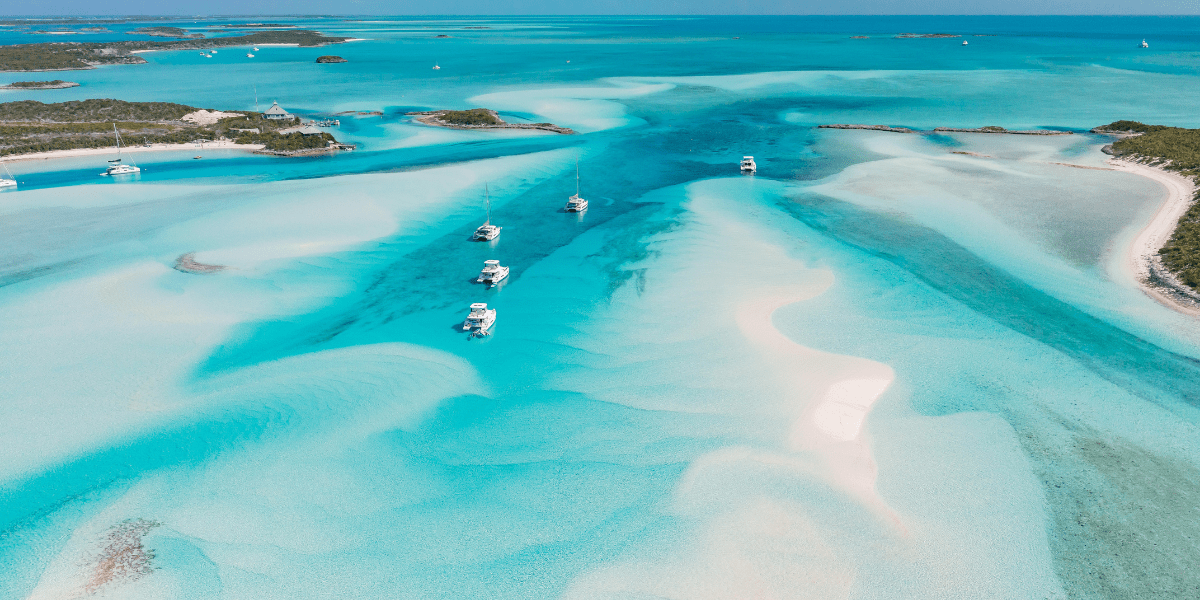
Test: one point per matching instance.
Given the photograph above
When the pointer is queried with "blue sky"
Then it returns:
(553, 7)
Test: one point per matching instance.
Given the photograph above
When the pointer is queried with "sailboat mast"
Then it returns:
(118, 134)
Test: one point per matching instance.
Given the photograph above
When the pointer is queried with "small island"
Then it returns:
(31, 127)
(329, 58)
(169, 32)
(56, 84)
(72, 56)
(986, 129)
(479, 118)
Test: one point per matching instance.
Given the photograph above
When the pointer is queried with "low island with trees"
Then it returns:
(28, 127)
(479, 118)
(57, 84)
(69, 56)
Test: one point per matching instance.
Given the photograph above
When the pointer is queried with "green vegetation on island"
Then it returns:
(329, 58)
(173, 32)
(474, 116)
(56, 84)
(1174, 149)
(28, 126)
(67, 56)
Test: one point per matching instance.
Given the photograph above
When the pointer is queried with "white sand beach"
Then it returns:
(1180, 191)
(218, 145)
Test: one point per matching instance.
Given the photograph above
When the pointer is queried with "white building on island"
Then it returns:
(276, 113)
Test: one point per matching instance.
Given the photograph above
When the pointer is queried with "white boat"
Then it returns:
(435, 66)
(207, 56)
(575, 203)
(248, 55)
(492, 273)
(964, 42)
(202, 53)
(212, 51)
(117, 167)
(10, 181)
(256, 48)
(748, 165)
(1144, 44)
(480, 320)
(486, 232)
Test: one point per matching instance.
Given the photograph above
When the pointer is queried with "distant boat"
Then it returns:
(248, 55)
(197, 157)
(486, 232)
(256, 48)
(213, 51)
(435, 66)
(202, 53)
(748, 165)
(10, 181)
(492, 273)
(1144, 44)
(119, 168)
(575, 203)
(964, 42)
(480, 320)
(207, 56)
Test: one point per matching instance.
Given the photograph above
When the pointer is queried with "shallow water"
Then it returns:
(879, 368)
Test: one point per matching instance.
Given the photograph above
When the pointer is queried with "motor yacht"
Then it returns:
(117, 167)
(1144, 44)
(492, 273)
(436, 67)
(256, 48)
(748, 165)
(486, 232)
(575, 203)
(964, 42)
(249, 55)
(480, 320)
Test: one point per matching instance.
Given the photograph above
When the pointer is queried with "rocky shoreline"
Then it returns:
(433, 117)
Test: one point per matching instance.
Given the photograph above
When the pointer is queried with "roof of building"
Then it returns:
(311, 130)
(275, 110)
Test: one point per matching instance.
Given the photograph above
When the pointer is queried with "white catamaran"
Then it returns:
(575, 203)
(480, 320)
(10, 181)
(492, 273)
(117, 167)
(487, 232)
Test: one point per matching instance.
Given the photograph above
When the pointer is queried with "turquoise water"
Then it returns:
(875, 369)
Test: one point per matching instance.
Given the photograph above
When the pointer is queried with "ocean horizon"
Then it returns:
(882, 365)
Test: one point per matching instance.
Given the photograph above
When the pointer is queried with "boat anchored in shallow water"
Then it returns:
(9, 181)
(492, 273)
(748, 165)
(486, 232)
(117, 167)
(1144, 44)
(575, 203)
(480, 320)
(436, 67)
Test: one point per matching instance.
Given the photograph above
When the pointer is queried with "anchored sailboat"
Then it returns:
(119, 168)
(487, 231)
(10, 181)
(575, 203)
